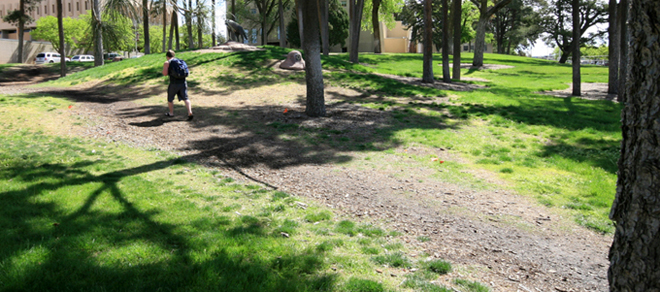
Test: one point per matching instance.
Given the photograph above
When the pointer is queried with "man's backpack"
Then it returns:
(178, 69)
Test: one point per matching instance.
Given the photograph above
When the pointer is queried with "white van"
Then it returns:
(82, 58)
(47, 57)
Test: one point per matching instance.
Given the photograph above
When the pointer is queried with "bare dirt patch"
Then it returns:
(592, 91)
(496, 236)
(455, 86)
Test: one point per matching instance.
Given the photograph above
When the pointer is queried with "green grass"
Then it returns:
(561, 151)
(80, 214)
(471, 286)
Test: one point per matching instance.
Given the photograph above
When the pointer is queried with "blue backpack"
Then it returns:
(178, 69)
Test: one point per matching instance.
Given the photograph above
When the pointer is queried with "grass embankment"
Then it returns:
(79, 214)
(562, 151)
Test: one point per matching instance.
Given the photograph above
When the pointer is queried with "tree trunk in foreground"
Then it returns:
(145, 25)
(456, 18)
(445, 42)
(282, 25)
(312, 48)
(21, 30)
(376, 24)
(480, 38)
(625, 44)
(98, 34)
(635, 252)
(60, 32)
(427, 69)
(577, 82)
(324, 10)
(355, 20)
(614, 45)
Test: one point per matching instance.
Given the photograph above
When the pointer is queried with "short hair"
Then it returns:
(170, 54)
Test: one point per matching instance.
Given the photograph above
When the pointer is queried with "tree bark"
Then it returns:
(635, 252)
(564, 57)
(456, 11)
(200, 26)
(176, 32)
(480, 41)
(623, 53)
(191, 44)
(324, 7)
(300, 22)
(315, 106)
(60, 32)
(213, 23)
(480, 38)
(169, 44)
(21, 30)
(355, 15)
(145, 25)
(375, 23)
(427, 69)
(282, 25)
(576, 49)
(614, 45)
(98, 34)
(164, 25)
(445, 42)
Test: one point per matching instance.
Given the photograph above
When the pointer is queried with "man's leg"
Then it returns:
(170, 105)
(188, 107)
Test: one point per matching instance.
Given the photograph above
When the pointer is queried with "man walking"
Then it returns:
(178, 85)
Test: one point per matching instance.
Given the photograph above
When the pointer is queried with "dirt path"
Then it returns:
(497, 237)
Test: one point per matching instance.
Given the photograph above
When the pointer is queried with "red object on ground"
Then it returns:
(286, 110)
(70, 106)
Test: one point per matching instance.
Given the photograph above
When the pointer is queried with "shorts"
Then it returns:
(180, 90)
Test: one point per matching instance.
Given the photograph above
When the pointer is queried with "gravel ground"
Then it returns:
(499, 238)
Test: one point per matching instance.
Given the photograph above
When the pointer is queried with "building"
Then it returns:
(395, 40)
(9, 32)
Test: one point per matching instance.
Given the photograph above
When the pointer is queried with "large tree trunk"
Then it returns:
(300, 22)
(427, 67)
(564, 56)
(577, 88)
(191, 44)
(480, 38)
(614, 45)
(60, 32)
(375, 23)
(355, 18)
(456, 13)
(625, 44)
(213, 23)
(635, 252)
(312, 48)
(445, 42)
(282, 25)
(200, 26)
(324, 7)
(145, 25)
(164, 25)
(176, 32)
(98, 34)
(21, 30)
(172, 24)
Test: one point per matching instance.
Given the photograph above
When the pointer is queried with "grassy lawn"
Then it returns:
(79, 214)
(562, 151)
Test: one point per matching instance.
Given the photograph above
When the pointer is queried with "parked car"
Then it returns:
(112, 57)
(82, 58)
(47, 57)
(67, 59)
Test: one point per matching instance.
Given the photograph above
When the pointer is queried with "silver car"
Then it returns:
(82, 58)
(47, 57)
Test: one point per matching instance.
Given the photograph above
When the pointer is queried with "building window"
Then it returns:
(53, 11)
(77, 6)
(45, 9)
(69, 7)
(465, 48)
(86, 5)
(253, 11)
(343, 3)
(1, 15)
(254, 35)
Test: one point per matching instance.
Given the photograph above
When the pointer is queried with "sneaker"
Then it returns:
(190, 117)
(169, 115)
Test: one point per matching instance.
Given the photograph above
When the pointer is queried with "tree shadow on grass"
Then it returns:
(66, 244)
